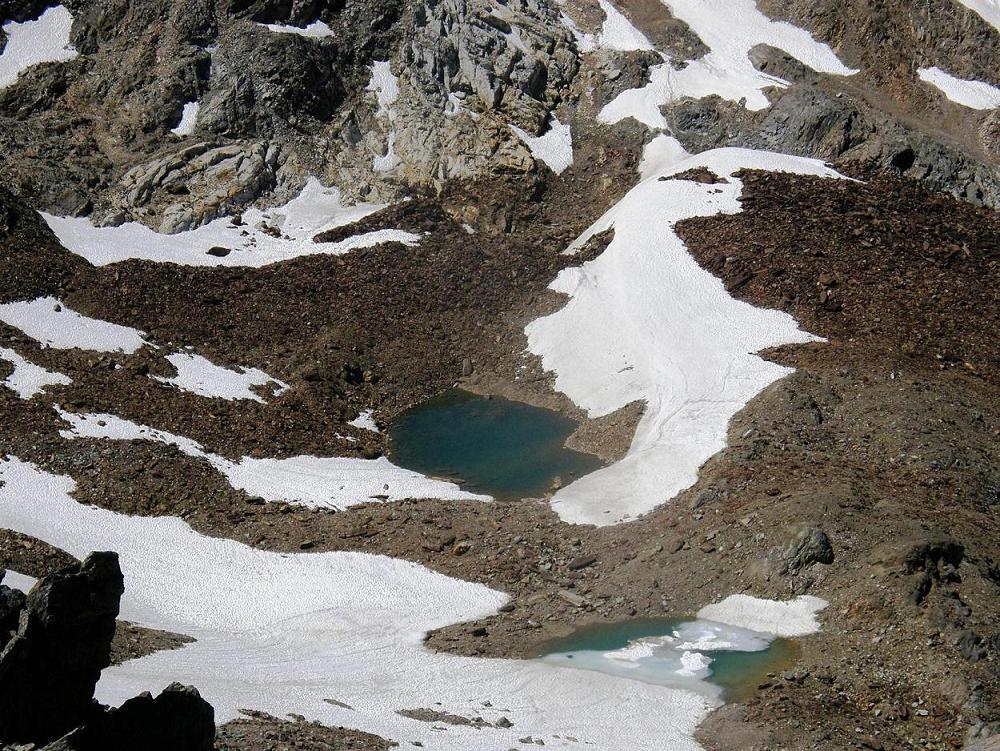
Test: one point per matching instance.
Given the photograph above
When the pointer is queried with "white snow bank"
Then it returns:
(791, 618)
(327, 482)
(199, 375)
(189, 118)
(314, 210)
(554, 147)
(18, 581)
(989, 10)
(977, 95)
(29, 379)
(365, 421)
(729, 28)
(44, 40)
(584, 42)
(49, 322)
(317, 29)
(644, 322)
(618, 33)
(386, 88)
(281, 633)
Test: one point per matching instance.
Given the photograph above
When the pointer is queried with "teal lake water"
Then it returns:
(653, 650)
(503, 448)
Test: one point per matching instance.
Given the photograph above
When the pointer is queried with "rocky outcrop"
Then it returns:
(176, 720)
(55, 643)
(49, 669)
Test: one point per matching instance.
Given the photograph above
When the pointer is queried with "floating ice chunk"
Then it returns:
(18, 581)
(317, 29)
(282, 632)
(988, 10)
(198, 375)
(695, 665)
(52, 324)
(730, 29)
(790, 618)
(29, 379)
(708, 636)
(554, 147)
(327, 482)
(644, 322)
(977, 95)
(44, 40)
(314, 210)
(365, 421)
(189, 118)
(618, 33)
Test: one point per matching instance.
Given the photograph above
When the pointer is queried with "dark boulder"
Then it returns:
(49, 669)
(810, 546)
(176, 720)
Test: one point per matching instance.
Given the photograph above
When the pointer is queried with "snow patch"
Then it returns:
(282, 632)
(198, 375)
(977, 95)
(988, 10)
(316, 30)
(791, 618)
(386, 88)
(29, 379)
(18, 581)
(325, 482)
(365, 421)
(554, 147)
(644, 322)
(618, 33)
(189, 117)
(314, 210)
(44, 40)
(49, 322)
(584, 42)
(729, 28)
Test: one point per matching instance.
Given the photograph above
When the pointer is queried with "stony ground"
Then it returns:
(884, 441)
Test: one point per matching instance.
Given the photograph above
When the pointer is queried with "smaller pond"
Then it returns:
(503, 448)
(725, 662)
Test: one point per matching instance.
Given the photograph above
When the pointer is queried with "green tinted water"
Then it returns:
(506, 449)
(737, 673)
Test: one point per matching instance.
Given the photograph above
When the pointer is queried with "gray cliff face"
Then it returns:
(94, 135)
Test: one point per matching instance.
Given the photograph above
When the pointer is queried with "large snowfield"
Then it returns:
(644, 322)
(43, 40)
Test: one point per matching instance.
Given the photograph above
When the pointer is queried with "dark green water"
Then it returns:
(737, 673)
(506, 449)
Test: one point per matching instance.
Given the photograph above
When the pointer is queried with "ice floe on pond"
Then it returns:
(327, 482)
(315, 209)
(977, 95)
(49, 322)
(43, 40)
(29, 379)
(790, 618)
(199, 375)
(644, 322)
(282, 633)
(189, 118)
(365, 421)
(554, 147)
(682, 656)
(730, 29)
(317, 29)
